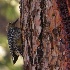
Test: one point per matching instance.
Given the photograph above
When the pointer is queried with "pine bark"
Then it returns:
(43, 46)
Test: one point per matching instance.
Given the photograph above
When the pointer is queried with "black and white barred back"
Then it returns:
(14, 41)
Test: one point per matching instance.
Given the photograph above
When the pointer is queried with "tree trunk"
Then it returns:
(64, 13)
(43, 44)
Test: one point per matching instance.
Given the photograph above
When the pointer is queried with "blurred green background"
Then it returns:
(9, 11)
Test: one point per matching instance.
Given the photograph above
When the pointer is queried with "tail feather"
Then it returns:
(15, 58)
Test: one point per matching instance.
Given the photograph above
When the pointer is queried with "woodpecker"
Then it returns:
(14, 40)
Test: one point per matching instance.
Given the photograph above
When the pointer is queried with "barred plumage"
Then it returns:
(14, 40)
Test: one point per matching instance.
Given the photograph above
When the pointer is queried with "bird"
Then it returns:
(14, 40)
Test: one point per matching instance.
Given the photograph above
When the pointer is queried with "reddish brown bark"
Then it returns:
(53, 35)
